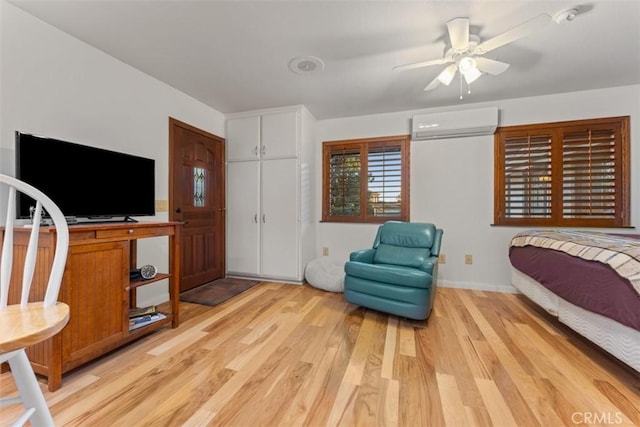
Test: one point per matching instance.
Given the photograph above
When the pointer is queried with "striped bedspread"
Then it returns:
(619, 252)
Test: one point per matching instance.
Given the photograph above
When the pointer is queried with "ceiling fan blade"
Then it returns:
(444, 77)
(514, 34)
(490, 66)
(434, 84)
(459, 33)
(422, 64)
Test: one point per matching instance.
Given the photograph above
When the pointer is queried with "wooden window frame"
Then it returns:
(363, 145)
(557, 131)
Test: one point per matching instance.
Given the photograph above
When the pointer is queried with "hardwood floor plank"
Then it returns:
(451, 399)
(354, 389)
(301, 404)
(407, 339)
(552, 366)
(389, 403)
(372, 386)
(296, 356)
(504, 362)
(627, 404)
(390, 347)
(494, 402)
(360, 353)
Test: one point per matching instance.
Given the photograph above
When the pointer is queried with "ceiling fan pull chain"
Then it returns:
(460, 75)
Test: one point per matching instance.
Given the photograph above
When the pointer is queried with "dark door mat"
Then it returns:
(216, 292)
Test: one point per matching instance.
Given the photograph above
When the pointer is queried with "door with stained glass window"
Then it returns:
(198, 200)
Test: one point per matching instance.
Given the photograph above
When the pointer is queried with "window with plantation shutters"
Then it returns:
(527, 176)
(569, 174)
(344, 182)
(366, 180)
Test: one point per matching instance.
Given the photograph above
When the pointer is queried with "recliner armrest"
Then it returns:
(363, 255)
(435, 248)
(429, 264)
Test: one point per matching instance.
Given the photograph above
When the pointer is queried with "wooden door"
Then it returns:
(197, 198)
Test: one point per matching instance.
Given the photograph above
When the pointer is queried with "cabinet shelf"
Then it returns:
(134, 283)
(143, 330)
(160, 317)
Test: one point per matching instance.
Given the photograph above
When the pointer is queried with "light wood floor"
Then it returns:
(287, 355)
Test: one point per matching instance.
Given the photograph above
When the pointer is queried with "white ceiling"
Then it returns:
(234, 55)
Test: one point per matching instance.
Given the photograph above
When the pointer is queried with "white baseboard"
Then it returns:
(477, 286)
(264, 279)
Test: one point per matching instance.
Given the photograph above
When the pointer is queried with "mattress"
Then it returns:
(591, 285)
(619, 340)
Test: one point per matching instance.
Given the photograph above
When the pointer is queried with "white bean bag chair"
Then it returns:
(322, 273)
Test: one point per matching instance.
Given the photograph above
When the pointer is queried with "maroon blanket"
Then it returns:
(620, 252)
(592, 285)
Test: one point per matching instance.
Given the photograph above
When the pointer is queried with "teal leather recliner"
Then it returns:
(398, 275)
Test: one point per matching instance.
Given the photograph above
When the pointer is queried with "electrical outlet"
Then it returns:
(468, 259)
(325, 251)
(162, 205)
(442, 259)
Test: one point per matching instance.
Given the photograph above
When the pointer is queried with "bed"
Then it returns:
(589, 280)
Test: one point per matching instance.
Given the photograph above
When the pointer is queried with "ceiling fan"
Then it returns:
(466, 50)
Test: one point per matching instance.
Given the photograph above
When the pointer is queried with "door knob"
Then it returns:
(178, 210)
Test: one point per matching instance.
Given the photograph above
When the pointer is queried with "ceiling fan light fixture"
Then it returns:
(471, 75)
(466, 64)
(469, 69)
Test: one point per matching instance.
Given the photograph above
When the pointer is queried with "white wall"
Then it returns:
(452, 181)
(54, 85)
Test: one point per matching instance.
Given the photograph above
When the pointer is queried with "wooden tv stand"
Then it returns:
(97, 288)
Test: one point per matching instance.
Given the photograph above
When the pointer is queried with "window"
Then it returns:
(366, 180)
(568, 174)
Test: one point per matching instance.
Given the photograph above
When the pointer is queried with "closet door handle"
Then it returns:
(255, 218)
(264, 149)
(264, 218)
(255, 150)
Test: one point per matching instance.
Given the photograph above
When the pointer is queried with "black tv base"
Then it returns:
(98, 219)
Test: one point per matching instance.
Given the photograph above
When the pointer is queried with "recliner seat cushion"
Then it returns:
(391, 274)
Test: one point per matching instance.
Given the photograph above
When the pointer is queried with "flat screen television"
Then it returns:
(85, 182)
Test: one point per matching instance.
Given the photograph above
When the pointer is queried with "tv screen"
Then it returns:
(85, 182)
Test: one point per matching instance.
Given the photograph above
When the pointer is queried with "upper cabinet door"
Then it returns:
(243, 138)
(279, 135)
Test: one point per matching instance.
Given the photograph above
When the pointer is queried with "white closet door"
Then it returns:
(279, 135)
(280, 238)
(243, 138)
(243, 218)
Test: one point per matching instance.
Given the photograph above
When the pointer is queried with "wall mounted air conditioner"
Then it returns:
(455, 124)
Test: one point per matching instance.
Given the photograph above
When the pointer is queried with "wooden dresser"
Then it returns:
(97, 288)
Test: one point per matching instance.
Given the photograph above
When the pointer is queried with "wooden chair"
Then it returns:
(37, 317)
